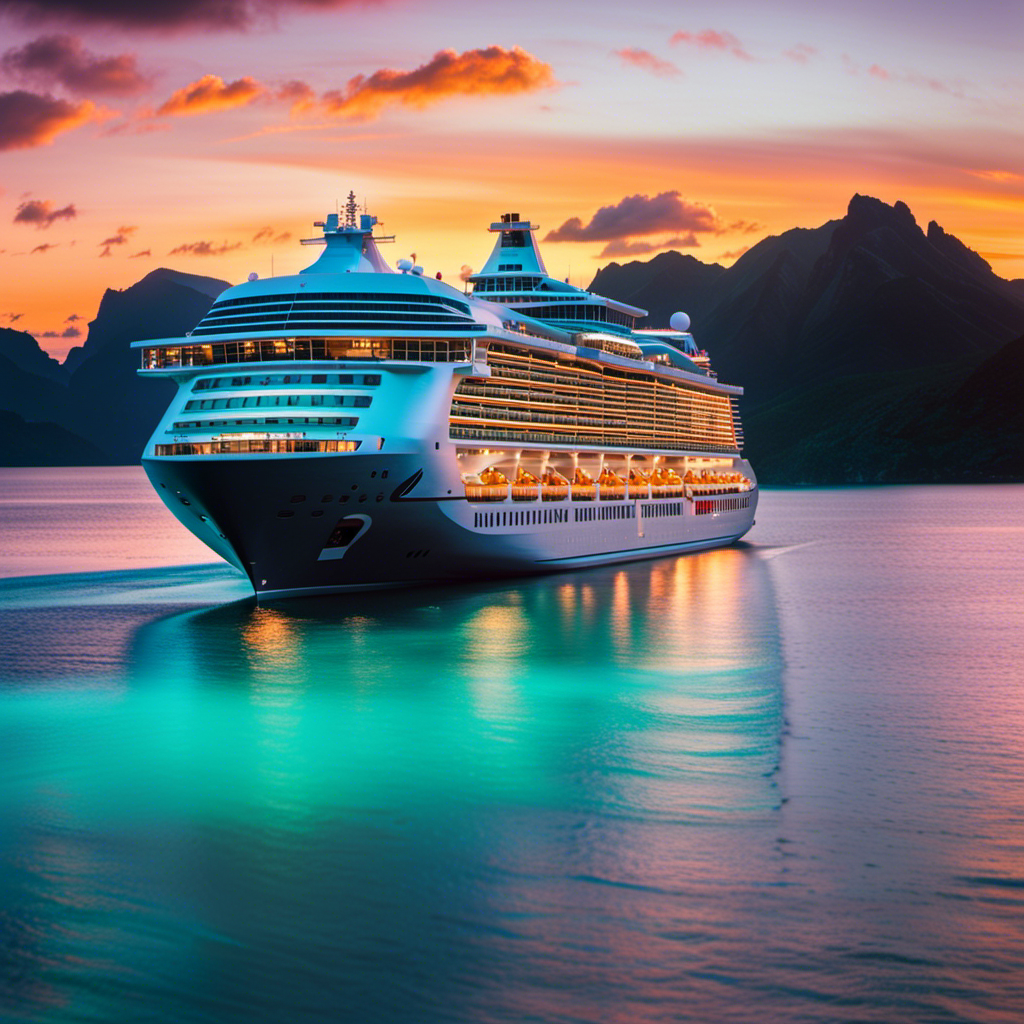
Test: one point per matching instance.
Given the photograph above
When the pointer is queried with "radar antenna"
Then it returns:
(351, 209)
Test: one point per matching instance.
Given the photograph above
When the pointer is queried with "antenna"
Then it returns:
(351, 209)
(271, 264)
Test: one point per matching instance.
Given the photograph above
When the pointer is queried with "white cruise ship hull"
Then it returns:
(322, 523)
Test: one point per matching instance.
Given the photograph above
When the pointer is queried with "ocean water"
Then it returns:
(782, 781)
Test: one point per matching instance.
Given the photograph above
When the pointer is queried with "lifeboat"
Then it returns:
(638, 484)
(525, 487)
(583, 488)
(666, 483)
(553, 486)
(489, 485)
(612, 485)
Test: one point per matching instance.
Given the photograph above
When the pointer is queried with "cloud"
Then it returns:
(122, 237)
(709, 39)
(801, 53)
(999, 176)
(746, 227)
(160, 15)
(267, 236)
(64, 60)
(211, 93)
(106, 252)
(947, 87)
(204, 249)
(71, 319)
(493, 71)
(646, 60)
(13, 317)
(45, 247)
(41, 213)
(622, 247)
(145, 252)
(28, 119)
(71, 332)
(299, 94)
(638, 215)
(734, 254)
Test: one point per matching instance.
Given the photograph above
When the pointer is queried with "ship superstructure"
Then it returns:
(352, 426)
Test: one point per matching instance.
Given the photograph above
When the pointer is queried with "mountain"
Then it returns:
(23, 351)
(107, 402)
(43, 444)
(852, 341)
(106, 408)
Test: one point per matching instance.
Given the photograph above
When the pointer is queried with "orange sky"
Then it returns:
(132, 138)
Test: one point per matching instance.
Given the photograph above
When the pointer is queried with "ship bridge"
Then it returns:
(515, 275)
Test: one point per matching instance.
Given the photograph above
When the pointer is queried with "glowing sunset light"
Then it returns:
(218, 131)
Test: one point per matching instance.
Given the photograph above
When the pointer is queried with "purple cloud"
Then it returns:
(64, 60)
(41, 213)
(638, 215)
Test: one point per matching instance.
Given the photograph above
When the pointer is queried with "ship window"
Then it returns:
(361, 401)
(319, 378)
(371, 379)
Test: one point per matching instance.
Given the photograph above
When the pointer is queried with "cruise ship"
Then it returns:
(355, 426)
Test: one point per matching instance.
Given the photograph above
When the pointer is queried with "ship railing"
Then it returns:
(554, 492)
(525, 492)
(487, 492)
(639, 491)
(612, 492)
(666, 490)
(583, 492)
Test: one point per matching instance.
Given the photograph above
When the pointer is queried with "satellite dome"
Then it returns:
(404, 265)
(254, 276)
(679, 322)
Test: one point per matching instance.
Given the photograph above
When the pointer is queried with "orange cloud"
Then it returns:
(646, 60)
(28, 119)
(493, 71)
(621, 247)
(204, 249)
(211, 93)
(709, 39)
(299, 94)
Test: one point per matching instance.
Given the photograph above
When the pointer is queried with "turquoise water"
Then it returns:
(778, 782)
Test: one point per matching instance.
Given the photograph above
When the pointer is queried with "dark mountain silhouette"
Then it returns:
(102, 401)
(850, 339)
(107, 402)
(23, 350)
(43, 444)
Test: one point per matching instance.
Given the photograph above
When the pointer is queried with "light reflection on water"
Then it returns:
(780, 781)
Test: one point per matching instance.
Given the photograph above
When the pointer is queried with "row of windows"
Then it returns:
(591, 311)
(705, 508)
(312, 321)
(278, 379)
(303, 297)
(252, 401)
(296, 349)
(532, 397)
(260, 447)
(506, 284)
(318, 421)
(530, 517)
(509, 267)
(584, 515)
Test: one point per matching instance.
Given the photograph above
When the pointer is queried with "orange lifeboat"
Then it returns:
(525, 487)
(583, 485)
(553, 486)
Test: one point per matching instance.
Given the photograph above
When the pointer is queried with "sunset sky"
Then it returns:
(207, 135)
